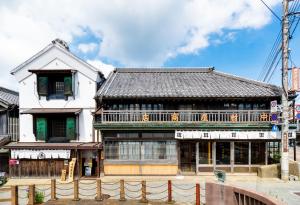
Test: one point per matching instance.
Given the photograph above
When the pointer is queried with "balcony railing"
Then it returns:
(205, 116)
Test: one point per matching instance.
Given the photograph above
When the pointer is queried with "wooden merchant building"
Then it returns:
(9, 123)
(56, 105)
(167, 121)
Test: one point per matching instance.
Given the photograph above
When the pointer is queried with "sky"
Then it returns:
(234, 36)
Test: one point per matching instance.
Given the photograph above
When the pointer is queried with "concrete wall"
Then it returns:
(221, 194)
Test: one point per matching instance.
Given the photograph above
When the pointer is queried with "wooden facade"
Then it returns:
(212, 106)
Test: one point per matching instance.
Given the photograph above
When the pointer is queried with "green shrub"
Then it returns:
(39, 197)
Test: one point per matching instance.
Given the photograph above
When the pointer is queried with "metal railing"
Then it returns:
(213, 116)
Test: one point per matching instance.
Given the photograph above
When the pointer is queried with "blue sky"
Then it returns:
(233, 36)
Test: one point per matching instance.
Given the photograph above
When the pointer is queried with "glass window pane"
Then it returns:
(222, 152)
(241, 153)
(258, 152)
(273, 152)
(205, 152)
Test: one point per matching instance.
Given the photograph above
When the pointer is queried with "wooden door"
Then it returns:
(188, 156)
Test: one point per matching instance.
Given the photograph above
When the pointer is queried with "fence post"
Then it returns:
(53, 190)
(197, 194)
(144, 193)
(99, 196)
(31, 195)
(14, 195)
(76, 190)
(122, 190)
(170, 192)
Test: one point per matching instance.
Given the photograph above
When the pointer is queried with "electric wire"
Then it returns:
(269, 69)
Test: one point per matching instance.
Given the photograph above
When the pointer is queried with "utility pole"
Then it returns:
(284, 99)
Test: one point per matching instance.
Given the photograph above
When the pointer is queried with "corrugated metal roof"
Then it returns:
(182, 83)
(9, 97)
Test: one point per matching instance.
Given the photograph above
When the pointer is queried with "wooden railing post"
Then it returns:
(170, 192)
(53, 190)
(99, 196)
(76, 190)
(144, 193)
(31, 195)
(122, 190)
(197, 194)
(14, 195)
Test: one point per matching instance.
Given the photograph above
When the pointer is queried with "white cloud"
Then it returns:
(133, 32)
(104, 68)
(87, 47)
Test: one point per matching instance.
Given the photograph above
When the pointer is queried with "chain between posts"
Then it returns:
(125, 191)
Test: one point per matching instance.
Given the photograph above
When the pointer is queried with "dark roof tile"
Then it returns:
(9, 97)
(181, 83)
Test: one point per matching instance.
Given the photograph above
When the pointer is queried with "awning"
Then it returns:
(52, 71)
(54, 146)
(52, 110)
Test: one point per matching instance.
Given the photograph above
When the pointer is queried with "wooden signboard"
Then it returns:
(71, 169)
(295, 79)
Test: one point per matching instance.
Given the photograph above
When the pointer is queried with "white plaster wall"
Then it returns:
(26, 128)
(85, 90)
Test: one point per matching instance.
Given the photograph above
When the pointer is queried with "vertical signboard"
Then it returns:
(285, 142)
(295, 79)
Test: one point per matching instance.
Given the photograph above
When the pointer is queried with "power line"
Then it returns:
(271, 10)
(273, 71)
(272, 63)
(268, 70)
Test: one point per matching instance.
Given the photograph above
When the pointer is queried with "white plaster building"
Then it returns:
(57, 92)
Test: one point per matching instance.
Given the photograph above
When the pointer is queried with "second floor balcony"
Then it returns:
(183, 116)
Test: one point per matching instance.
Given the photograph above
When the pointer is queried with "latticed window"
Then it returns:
(58, 127)
(140, 150)
(55, 128)
(55, 86)
(59, 88)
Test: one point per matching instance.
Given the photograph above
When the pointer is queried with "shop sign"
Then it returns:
(183, 134)
(40, 154)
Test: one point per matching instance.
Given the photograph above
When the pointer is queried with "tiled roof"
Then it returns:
(181, 83)
(9, 97)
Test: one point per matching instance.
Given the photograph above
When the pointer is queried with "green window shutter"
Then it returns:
(68, 85)
(71, 128)
(42, 86)
(41, 128)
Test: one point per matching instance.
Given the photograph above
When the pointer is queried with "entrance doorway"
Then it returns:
(89, 163)
(188, 156)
